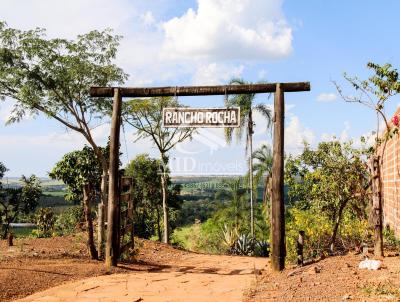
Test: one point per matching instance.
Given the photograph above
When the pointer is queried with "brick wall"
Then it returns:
(390, 172)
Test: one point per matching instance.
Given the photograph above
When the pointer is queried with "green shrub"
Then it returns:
(390, 239)
(187, 237)
(45, 219)
(68, 221)
(200, 237)
(318, 231)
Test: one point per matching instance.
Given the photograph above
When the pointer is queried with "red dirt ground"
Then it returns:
(332, 279)
(34, 265)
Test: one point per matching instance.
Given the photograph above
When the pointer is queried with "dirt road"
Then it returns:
(194, 277)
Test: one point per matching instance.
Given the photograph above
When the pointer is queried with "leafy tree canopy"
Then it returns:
(146, 116)
(53, 76)
(76, 169)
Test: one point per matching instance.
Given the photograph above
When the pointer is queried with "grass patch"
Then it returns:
(382, 289)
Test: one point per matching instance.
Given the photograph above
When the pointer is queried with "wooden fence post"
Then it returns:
(112, 244)
(277, 202)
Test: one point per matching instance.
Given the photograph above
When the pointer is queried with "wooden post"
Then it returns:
(112, 244)
(300, 248)
(277, 202)
(100, 230)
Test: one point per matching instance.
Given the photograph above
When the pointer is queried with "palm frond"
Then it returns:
(265, 112)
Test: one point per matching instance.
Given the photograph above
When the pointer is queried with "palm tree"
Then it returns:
(263, 167)
(236, 194)
(246, 104)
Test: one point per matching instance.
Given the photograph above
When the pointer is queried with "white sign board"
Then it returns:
(201, 117)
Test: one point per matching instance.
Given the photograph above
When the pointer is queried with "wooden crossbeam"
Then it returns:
(198, 90)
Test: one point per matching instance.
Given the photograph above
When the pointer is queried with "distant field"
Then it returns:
(44, 181)
(54, 193)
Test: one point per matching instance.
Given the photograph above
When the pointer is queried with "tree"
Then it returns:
(373, 93)
(3, 170)
(236, 207)
(146, 116)
(247, 106)
(53, 76)
(81, 171)
(147, 193)
(262, 167)
(16, 201)
(331, 178)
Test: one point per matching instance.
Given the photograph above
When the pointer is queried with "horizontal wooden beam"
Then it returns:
(198, 90)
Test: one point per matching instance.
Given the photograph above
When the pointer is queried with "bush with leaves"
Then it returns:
(69, 221)
(331, 181)
(45, 219)
(318, 232)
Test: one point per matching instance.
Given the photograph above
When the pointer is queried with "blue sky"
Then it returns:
(209, 42)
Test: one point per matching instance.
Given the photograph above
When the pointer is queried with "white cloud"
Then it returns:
(295, 136)
(342, 137)
(220, 30)
(229, 29)
(66, 18)
(215, 73)
(148, 18)
(262, 74)
(240, 29)
(326, 97)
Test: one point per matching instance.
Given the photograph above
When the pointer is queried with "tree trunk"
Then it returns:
(376, 215)
(6, 224)
(164, 188)
(6, 228)
(158, 225)
(267, 196)
(102, 212)
(336, 226)
(87, 197)
(100, 230)
(250, 135)
(103, 194)
(165, 208)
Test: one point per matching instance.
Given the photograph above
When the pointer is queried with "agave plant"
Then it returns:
(244, 245)
(261, 248)
(229, 237)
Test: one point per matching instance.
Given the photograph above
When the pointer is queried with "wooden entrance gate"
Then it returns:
(277, 202)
